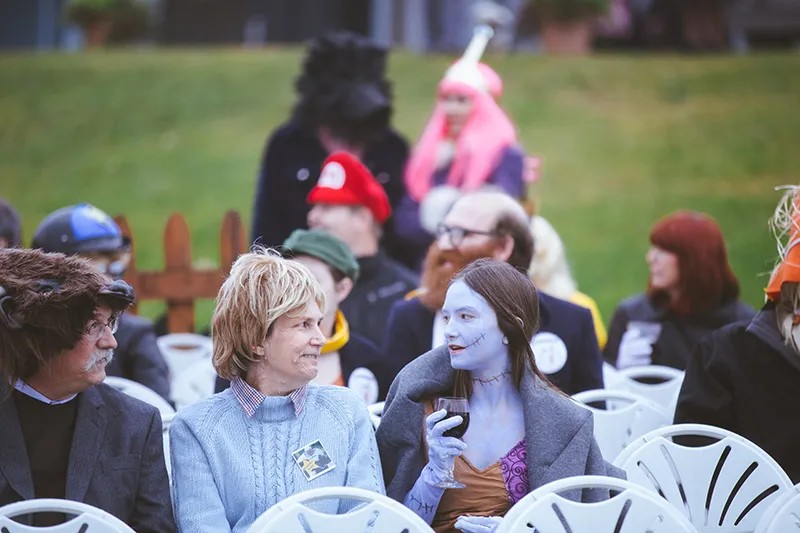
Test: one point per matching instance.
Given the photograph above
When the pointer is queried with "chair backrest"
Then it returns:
(194, 384)
(626, 417)
(375, 413)
(723, 486)
(380, 513)
(632, 509)
(783, 516)
(611, 376)
(87, 518)
(664, 393)
(143, 393)
(182, 350)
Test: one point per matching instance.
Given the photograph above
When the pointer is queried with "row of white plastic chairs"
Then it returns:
(731, 485)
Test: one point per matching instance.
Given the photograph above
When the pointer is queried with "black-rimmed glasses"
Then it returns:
(457, 234)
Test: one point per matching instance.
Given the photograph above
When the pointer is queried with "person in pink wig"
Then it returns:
(469, 142)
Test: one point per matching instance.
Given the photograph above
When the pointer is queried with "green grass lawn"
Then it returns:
(624, 139)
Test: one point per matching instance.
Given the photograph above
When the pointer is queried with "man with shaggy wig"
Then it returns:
(65, 434)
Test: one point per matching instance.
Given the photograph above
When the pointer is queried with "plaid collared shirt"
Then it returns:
(251, 399)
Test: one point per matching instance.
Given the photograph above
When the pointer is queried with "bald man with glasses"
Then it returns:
(65, 434)
(493, 224)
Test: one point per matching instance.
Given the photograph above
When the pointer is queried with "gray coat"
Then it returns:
(559, 438)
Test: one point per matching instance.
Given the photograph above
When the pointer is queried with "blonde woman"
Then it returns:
(550, 273)
(272, 433)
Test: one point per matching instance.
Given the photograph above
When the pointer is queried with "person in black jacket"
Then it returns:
(746, 376)
(344, 104)
(691, 292)
(492, 224)
(349, 203)
(89, 232)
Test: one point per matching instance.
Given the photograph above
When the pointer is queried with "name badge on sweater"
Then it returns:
(313, 460)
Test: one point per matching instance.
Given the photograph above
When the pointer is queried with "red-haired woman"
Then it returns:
(691, 292)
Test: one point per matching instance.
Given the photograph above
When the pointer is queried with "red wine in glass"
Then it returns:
(454, 407)
(459, 430)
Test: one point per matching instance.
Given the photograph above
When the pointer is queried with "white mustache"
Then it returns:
(97, 356)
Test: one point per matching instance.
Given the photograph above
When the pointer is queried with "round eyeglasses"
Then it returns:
(96, 329)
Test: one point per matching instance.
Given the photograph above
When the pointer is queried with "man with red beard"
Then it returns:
(65, 434)
(493, 224)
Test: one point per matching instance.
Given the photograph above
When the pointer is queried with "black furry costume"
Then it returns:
(343, 88)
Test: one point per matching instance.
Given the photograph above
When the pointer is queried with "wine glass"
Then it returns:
(460, 407)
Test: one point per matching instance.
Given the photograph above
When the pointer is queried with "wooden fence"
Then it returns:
(179, 284)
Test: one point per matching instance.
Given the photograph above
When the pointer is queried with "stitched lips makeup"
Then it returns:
(456, 349)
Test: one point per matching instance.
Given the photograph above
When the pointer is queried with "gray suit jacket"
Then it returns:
(116, 461)
(559, 438)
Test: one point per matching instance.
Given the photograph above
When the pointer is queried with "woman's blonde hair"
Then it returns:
(262, 287)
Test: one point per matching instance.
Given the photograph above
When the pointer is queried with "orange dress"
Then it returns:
(485, 495)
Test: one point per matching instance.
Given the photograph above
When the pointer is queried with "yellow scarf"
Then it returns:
(341, 334)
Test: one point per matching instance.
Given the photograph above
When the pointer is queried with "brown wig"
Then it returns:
(705, 279)
(512, 296)
(46, 301)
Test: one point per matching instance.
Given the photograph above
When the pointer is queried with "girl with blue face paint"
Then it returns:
(522, 432)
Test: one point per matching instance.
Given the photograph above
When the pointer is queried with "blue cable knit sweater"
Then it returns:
(228, 468)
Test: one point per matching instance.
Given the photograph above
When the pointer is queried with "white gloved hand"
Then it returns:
(635, 349)
(477, 524)
(441, 450)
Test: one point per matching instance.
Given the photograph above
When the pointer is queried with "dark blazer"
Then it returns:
(137, 356)
(679, 334)
(116, 460)
(410, 330)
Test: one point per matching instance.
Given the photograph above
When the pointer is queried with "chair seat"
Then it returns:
(378, 514)
(631, 510)
(87, 518)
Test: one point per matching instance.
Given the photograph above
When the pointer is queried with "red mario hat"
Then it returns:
(345, 180)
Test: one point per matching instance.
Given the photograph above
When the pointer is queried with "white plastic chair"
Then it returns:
(380, 513)
(631, 510)
(783, 516)
(664, 393)
(375, 413)
(142, 392)
(87, 518)
(182, 350)
(626, 417)
(723, 486)
(612, 378)
(194, 384)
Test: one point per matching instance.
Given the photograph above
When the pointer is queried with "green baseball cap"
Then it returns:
(325, 247)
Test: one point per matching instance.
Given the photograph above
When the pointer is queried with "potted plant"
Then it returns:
(566, 25)
(101, 19)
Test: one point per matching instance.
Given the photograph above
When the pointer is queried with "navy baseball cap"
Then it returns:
(78, 229)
